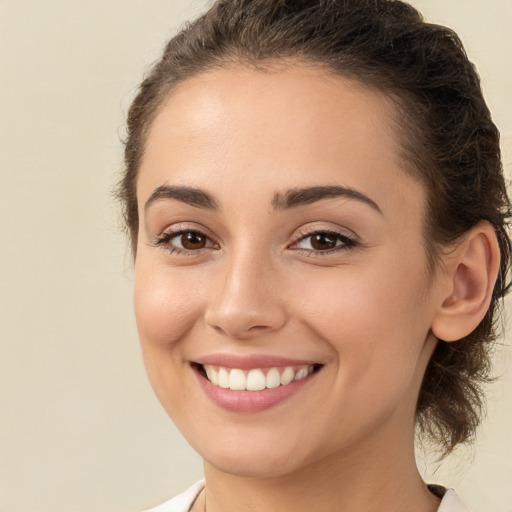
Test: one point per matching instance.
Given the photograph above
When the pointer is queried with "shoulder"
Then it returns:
(450, 500)
(182, 502)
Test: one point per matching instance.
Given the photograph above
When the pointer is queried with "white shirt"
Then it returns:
(450, 502)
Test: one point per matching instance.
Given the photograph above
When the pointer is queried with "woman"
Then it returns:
(317, 210)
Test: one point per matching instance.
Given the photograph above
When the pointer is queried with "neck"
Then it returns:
(359, 481)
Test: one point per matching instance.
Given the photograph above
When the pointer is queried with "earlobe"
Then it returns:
(471, 270)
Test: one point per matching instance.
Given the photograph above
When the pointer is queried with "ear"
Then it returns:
(466, 283)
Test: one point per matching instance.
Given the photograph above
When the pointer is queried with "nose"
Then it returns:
(247, 302)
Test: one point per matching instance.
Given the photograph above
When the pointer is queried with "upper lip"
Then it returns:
(251, 361)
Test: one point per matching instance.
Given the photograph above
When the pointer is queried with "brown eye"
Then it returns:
(192, 240)
(184, 242)
(323, 241)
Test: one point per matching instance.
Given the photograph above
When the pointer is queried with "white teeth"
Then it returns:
(223, 378)
(287, 376)
(273, 378)
(300, 374)
(237, 380)
(255, 379)
(212, 374)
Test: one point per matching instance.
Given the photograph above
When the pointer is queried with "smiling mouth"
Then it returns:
(255, 379)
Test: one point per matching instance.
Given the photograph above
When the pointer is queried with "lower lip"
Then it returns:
(250, 401)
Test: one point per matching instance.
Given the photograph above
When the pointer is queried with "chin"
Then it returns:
(257, 458)
(251, 466)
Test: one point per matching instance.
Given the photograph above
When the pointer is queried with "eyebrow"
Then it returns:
(281, 201)
(302, 196)
(188, 195)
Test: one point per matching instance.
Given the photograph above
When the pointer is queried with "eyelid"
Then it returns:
(165, 236)
(163, 240)
(181, 226)
(350, 240)
(313, 228)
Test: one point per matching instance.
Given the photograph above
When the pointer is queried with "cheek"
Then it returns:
(374, 320)
(376, 334)
(166, 306)
(357, 301)
(166, 310)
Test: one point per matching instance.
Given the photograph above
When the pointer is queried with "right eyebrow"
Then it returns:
(189, 195)
(308, 195)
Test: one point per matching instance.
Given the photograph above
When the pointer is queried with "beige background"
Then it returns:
(80, 429)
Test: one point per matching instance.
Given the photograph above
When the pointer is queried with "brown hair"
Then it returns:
(448, 138)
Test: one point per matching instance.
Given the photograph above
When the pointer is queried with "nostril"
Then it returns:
(258, 328)
(241, 321)
(240, 331)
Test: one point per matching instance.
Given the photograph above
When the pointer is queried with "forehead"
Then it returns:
(294, 124)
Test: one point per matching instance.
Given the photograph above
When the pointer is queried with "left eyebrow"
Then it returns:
(302, 196)
(192, 196)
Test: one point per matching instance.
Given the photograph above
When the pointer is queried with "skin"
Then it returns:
(364, 312)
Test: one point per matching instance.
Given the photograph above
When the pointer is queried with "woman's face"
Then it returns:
(280, 238)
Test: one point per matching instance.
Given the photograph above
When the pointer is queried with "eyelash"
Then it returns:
(347, 242)
(164, 241)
